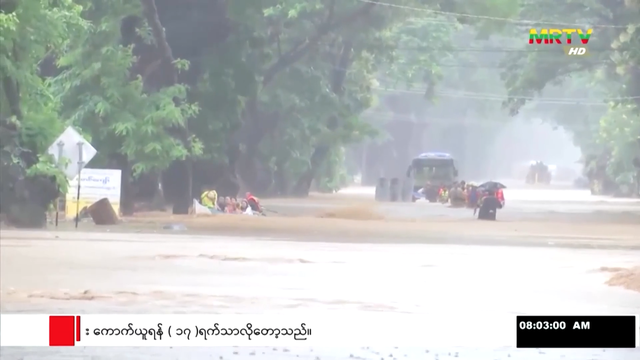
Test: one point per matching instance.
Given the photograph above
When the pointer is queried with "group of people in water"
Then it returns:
(249, 205)
(485, 200)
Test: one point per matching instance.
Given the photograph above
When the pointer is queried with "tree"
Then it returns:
(267, 95)
(29, 119)
(611, 72)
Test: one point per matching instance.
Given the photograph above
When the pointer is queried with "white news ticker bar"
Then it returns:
(328, 330)
(383, 329)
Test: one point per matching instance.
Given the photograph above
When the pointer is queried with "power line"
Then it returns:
(502, 67)
(490, 96)
(494, 66)
(498, 97)
(385, 115)
(494, 97)
(407, 119)
(531, 97)
(483, 17)
(485, 96)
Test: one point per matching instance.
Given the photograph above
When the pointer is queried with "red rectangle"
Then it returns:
(77, 328)
(62, 330)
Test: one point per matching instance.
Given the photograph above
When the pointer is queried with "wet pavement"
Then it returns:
(134, 273)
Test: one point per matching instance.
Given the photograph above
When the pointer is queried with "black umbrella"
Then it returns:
(492, 185)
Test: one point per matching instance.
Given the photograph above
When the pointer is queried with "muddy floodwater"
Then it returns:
(160, 273)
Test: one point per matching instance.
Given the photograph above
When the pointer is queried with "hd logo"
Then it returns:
(576, 50)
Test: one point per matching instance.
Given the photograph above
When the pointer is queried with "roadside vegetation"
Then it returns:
(270, 95)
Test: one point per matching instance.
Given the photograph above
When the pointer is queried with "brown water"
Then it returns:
(538, 203)
(155, 273)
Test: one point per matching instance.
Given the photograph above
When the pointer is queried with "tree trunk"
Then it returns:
(244, 146)
(282, 183)
(26, 201)
(13, 96)
(184, 201)
(127, 200)
(12, 88)
(303, 185)
(321, 151)
(228, 184)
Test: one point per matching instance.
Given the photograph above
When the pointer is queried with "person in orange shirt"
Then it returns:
(253, 202)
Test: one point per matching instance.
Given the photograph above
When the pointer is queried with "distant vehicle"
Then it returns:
(539, 173)
(431, 171)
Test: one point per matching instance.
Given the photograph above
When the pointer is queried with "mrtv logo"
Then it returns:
(573, 41)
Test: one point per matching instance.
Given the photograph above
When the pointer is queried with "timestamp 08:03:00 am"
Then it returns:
(590, 331)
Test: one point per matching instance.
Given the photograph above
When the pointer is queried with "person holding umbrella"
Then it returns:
(497, 189)
(487, 208)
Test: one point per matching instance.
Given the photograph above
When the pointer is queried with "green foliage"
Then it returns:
(333, 175)
(101, 94)
(619, 132)
(610, 72)
(34, 30)
(229, 79)
(387, 43)
(311, 68)
(420, 46)
(46, 167)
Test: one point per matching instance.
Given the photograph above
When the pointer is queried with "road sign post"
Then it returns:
(72, 152)
(81, 164)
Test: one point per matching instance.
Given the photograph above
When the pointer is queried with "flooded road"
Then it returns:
(157, 273)
(550, 195)
(523, 203)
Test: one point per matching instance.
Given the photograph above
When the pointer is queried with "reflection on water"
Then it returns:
(131, 273)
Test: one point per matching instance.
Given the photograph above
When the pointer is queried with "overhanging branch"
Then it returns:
(303, 46)
(151, 14)
(12, 89)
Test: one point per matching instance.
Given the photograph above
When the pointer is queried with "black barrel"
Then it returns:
(382, 190)
(395, 190)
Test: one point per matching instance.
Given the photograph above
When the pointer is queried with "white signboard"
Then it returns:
(95, 184)
(67, 147)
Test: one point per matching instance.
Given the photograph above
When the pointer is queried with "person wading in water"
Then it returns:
(488, 206)
(209, 199)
